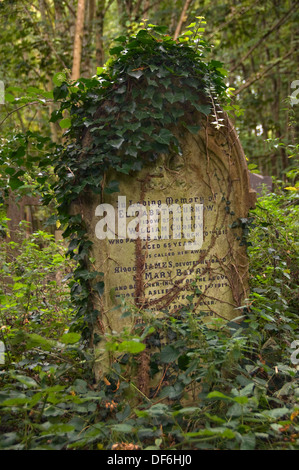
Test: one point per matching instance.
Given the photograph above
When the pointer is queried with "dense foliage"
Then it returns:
(232, 386)
(243, 374)
(257, 42)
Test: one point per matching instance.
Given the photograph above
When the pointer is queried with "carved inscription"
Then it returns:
(171, 273)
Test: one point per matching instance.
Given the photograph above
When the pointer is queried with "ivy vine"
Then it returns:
(122, 119)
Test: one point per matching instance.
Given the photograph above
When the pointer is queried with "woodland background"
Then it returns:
(257, 42)
(248, 372)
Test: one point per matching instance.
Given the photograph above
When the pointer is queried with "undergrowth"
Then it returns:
(230, 386)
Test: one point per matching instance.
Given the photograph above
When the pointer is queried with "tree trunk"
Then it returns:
(100, 14)
(77, 52)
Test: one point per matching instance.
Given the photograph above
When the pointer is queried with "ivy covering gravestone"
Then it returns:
(149, 130)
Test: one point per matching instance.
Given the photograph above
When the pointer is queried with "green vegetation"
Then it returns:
(221, 386)
(241, 374)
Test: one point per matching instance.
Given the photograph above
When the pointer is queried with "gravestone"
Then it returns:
(172, 234)
(18, 211)
(260, 184)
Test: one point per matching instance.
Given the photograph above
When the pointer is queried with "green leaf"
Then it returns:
(164, 137)
(24, 379)
(159, 29)
(57, 428)
(219, 395)
(99, 287)
(60, 92)
(34, 340)
(65, 123)
(10, 171)
(70, 338)
(113, 187)
(193, 129)
(121, 39)
(117, 143)
(276, 412)
(59, 78)
(248, 442)
(132, 347)
(241, 400)
(203, 108)
(9, 98)
(169, 354)
(53, 411)
(116, 50)
(136, 73)
(122, 428)
(187, 411)
(15, 183)
(265, 316)
(121, 90)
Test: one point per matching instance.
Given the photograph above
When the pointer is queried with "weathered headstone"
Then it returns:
(172, 234)
(18, 211)
(260, 183)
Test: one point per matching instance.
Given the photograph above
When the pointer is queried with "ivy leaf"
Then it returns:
(116, 50)
(157, 101)
(133, 126)
(99, 287)
(117, 143)
(60, 92)
(122, 89)
(125, 168)
(136, 73)
(113, 187)
(202, 108)
(177, 112)
(193, 129)
(15, 183)
(164, 137)
(170, 97)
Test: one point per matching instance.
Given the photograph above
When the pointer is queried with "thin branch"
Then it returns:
(44, 37)
(231, 18)
(149, 7)
(107, 7)
(264, 71)
(276, 26)
(136, 9)
(182, 19)
(70, 8)
(23, 106)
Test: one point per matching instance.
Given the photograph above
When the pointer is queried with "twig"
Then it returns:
(23, 106)
(261, 74)
(276, 27)
(182, 19)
